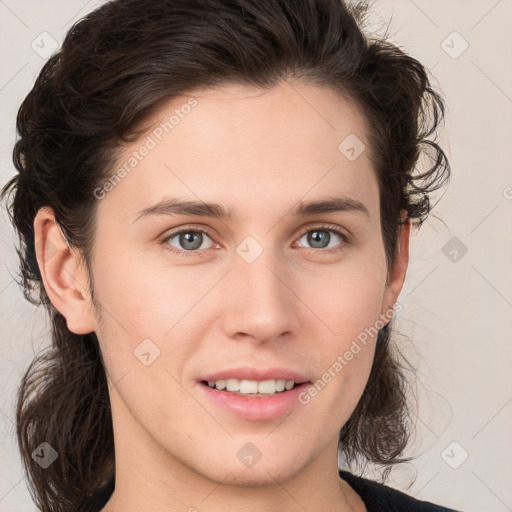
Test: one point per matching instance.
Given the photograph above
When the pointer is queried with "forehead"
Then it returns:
(246, 147)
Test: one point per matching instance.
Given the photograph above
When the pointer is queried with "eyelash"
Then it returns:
(198, 252)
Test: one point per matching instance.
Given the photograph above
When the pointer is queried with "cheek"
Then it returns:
(144, 296)
(347, 303)
(155, 310)
(347, 299)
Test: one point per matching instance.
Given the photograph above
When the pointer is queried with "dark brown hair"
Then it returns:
(115, 68)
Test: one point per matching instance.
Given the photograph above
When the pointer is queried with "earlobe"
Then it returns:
(63, 273)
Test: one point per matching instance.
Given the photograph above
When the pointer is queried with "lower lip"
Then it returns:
(253, 407)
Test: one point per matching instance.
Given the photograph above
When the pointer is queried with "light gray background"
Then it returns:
(457, 313)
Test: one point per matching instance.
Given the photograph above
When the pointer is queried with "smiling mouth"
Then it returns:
(288, 386)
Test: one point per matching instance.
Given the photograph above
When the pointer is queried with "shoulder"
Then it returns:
(378, 497)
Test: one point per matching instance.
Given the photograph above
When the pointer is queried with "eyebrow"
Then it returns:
(176, 206)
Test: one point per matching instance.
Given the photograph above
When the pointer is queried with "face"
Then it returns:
(185, 294)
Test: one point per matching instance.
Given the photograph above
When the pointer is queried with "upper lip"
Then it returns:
(259, 374)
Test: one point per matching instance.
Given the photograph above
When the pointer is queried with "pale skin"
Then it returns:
(257, 153)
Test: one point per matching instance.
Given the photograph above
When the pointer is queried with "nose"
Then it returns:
(260, 303)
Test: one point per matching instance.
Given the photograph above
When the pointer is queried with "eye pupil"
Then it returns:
(314, 237)
(185, 240)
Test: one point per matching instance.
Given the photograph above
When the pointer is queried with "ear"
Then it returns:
(396, 274)
(63, 273)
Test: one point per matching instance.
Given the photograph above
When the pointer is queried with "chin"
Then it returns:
(256, 477)
(257, 473)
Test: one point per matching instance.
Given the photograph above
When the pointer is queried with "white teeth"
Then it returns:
(280, 384)
(267, 387)
(220, 384)
(249, 386)
(232, 384)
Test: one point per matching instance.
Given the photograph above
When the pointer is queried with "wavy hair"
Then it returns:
(116, 67)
